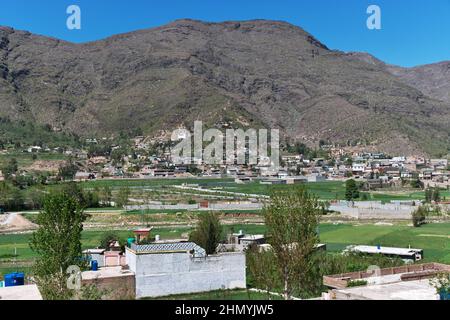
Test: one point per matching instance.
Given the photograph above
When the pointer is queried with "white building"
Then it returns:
(163, 269)
(358, 167)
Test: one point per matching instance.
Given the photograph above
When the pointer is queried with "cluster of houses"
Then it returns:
(376, 169)
(377, 172)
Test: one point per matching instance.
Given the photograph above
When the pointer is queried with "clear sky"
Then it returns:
(413, 32)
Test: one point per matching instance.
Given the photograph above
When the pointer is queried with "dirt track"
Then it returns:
(15, 222)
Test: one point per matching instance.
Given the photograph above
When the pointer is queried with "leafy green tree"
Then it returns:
(67, 171)
(11, 198)
(441, 282)
(208, 232)
(107, 237)
(419, 216)
(416, 183)
(428, 195)
(436, 196)
(57, 244)
(262, 269)
(122, 197)
(105, 196)
(10, 168)
(76, 191)
(292, 220)
(351, 190)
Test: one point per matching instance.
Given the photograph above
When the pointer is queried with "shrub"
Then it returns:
(356, 283)
(418, 216)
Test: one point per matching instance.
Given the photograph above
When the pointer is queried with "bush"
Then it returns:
(356, 283)
(419, 216)
(351, 190)
(208, 232)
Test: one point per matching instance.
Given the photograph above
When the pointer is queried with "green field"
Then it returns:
(25, 159)
(221, 295)
(326, 190)
(216, 189)
(18, 243)
(433, 238)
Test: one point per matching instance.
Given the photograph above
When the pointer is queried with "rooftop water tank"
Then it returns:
(94, 265)
(14, 279)
(130, 241)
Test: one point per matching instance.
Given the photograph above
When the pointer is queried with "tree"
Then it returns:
(428, 195)
(351, 190)
(292, 220)
(441, 282)
(57, 244)
(416, 183)
(122, 197)
(67, 171)
(105, 196)
(10, 197)
(76, 191)
(107, 237)
(262, 270)
(418, 216)
(436, 196)
(208, 232)
(10, 168)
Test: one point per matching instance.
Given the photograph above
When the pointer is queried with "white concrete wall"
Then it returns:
(163, 207)
(176, 273)
(373, 210)
(235, 206)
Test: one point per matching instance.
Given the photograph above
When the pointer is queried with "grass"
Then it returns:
(155, 211)
(175, 211)
(432, 238)
(325, 190)
(18, 243)
(220, 295)
(25, 159)
(436, 249)
(338, 236)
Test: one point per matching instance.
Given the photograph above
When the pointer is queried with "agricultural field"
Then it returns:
(194, 190)
(14, 248)
(326, 190)
(25, 159)
(433, 238)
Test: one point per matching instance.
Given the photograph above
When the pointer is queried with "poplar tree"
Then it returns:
(57, 243)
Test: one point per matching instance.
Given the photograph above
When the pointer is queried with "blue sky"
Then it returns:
(414, 32)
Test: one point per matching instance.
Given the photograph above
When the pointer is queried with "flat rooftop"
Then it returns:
(27, 292)
(407, 272)
(384, 250)
(94, 251)
(405, 290)
(252, 237)
(106, 272)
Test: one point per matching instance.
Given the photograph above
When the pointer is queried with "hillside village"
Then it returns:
(234, 160)
(238, 193)
(141, 160)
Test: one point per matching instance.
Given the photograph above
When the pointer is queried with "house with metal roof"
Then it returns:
(402, 253)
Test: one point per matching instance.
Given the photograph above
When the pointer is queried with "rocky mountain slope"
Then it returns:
(251, 74)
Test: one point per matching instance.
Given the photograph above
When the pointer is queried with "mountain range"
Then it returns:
(256, 73)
